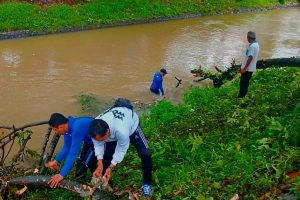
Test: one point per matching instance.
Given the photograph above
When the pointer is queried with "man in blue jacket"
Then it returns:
(157, 82)
(75, 132)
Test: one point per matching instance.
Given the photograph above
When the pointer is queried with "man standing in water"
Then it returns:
(112, 132)
(249, 63)
(157, 82)
(75, 132)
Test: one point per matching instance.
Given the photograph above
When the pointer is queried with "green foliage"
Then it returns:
(214, 145)
(55, 17)
(281, 1)
(89, 104)
(49, 194)
(260, 3)
(22, 135)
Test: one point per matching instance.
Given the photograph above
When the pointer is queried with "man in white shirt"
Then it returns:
(112, 132)
(249, 63)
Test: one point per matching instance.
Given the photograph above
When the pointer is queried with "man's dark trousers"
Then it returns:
(138, 140)
(87, 160)
(244, 84)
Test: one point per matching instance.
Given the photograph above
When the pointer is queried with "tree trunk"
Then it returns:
(46, 139)
(80, 189)
(229, 74)
(50, 152)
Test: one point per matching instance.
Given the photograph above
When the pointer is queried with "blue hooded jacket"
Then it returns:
(157, 83)
(77, 135)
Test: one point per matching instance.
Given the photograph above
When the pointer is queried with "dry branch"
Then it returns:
(46, 139)
(80, 189)
(229, 73)
(50, 152)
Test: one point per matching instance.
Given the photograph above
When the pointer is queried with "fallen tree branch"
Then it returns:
(22, 149)
(20, 128)
(80, 189)
(24, 126)
(50, 152)
(46, 139)
(3, 156)
(11, 137)
(103, 183)
(229, 73)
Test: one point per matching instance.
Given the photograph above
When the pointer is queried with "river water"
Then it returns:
(44, 74)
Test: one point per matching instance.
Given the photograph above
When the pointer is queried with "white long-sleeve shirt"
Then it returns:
(122, 123)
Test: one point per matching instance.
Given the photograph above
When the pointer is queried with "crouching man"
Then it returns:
(112, 132)
(75, 133)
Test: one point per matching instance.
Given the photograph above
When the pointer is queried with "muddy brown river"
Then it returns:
(42, 75)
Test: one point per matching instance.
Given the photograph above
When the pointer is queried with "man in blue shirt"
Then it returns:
(75, 132)
(157, 82)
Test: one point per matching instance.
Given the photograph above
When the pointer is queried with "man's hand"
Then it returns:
(98, 172)
(52, 165)
(107, 174)
(55, 180)
(243, 70)
(108, 171)
(164, 97)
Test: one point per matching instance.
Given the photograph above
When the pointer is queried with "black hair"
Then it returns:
(57, 119)
(163, 70)
(98, 126)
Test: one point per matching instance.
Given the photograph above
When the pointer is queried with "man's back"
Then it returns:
(252, 50)
(157, 81)
(73, 139)
(120, 120)
(80, 126)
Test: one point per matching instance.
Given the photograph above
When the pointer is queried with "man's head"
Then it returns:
(99, 130)
(163, 72)
(58, 123)
(251, 36)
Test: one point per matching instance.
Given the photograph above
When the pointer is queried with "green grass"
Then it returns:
(25, 16)
(214, 146)
(90, 105)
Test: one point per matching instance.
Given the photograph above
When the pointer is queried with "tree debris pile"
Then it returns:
(220, 76)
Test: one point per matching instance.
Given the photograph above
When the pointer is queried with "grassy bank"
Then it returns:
(25, 16)
(214, 146)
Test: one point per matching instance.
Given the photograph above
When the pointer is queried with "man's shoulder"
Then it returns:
(81, 123)
(83, 120)
(255, 45)
(157, 76)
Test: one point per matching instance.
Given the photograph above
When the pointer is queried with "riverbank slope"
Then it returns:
(214, 146)
(30, 19)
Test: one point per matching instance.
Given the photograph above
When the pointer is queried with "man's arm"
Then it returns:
(249, 60)
(77, 140)
(74, 145)
(250, 55)
(121, 148)
(99, 152)
(65, 150)
(161, 88)
(99, 149)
